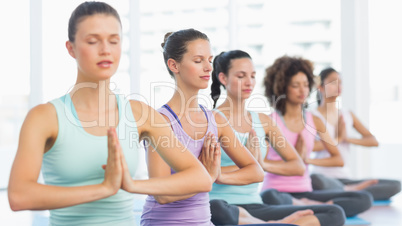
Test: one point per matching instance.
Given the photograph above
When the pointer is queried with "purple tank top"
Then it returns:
(291, 183)
(194, 210)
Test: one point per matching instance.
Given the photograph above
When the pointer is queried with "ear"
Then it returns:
(222, 78)
(321, 88)
(70, 49)
(173, 65)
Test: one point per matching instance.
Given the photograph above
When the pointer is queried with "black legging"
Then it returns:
(383, 190)
(227, 214)
(352, 203)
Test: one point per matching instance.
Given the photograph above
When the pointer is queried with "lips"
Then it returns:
(104, 63)
(206, 77)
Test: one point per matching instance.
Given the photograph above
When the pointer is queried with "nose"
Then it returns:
(105, 48)
(208, 66)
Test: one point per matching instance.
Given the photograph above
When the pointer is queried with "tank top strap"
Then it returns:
(255, 119)
(205, 111)
(309, 126)
(174, 124)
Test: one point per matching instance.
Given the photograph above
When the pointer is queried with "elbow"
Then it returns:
(259, 174)
(16, 201)
(206, 187)
(204, 183)
(300, 170)
(161, 200)
(376, 144)
(341, 163)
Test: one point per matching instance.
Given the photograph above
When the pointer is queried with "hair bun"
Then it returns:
(165, 38)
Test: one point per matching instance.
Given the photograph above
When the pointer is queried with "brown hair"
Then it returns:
(278, 76)
(86, 9)
(175, 44)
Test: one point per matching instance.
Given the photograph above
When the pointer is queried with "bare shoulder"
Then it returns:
(319, 124)
(41, 119)
(264, 118)
(219, 118)
(147, 117)
(139, 108)
(43, 113)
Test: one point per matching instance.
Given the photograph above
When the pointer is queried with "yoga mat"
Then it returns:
(382, 203)
(356, 221)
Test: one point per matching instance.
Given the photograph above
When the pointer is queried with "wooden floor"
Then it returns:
(377, 215)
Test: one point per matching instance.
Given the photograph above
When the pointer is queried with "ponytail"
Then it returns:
(216, 84)
(222, 63)
(323, 75)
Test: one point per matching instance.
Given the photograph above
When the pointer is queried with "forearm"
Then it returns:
(226, 169)
(34, 196)
(329, 162)
(164, 199)
(364, 141)
(247, 175)
(318, 145)
(185, 182)
(284, 168)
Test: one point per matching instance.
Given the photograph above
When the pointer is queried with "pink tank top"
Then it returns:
(291, 183)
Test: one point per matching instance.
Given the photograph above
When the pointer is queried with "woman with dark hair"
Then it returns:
(340, 123)
(187, 55)
(288, 83)
(71, 137)
(234, 70)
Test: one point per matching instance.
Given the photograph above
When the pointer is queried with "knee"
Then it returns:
(317, 182)
(365, 200)
(336, 216)
(223, 213)
(271, 197)
(396, 186)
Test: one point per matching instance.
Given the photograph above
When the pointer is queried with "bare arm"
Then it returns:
(157, 167)
(367, 138)
(292, 164)
(335, 159)
(25, 193)
(318, 145)
(191, 177)
(249, 171)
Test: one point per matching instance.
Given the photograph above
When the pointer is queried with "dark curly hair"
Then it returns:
(278, 76)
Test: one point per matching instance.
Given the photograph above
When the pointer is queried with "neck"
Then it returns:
(235, 105)
(91, 94)
(329, 105)
(293, 110)
(184, 99)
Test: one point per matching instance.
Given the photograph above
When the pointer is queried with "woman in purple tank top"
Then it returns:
(187, 55)
(288, 83)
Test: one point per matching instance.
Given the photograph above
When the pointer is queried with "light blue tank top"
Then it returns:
(240, 194)
(76, 159)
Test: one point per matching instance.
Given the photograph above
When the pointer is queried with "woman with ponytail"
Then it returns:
(187, 55)
(340, 123)
(234, 70)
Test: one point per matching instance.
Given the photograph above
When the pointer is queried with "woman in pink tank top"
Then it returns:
(288, 83)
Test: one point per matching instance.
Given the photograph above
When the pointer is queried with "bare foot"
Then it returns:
(305, 202)
(294, 216)
(360, 186)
